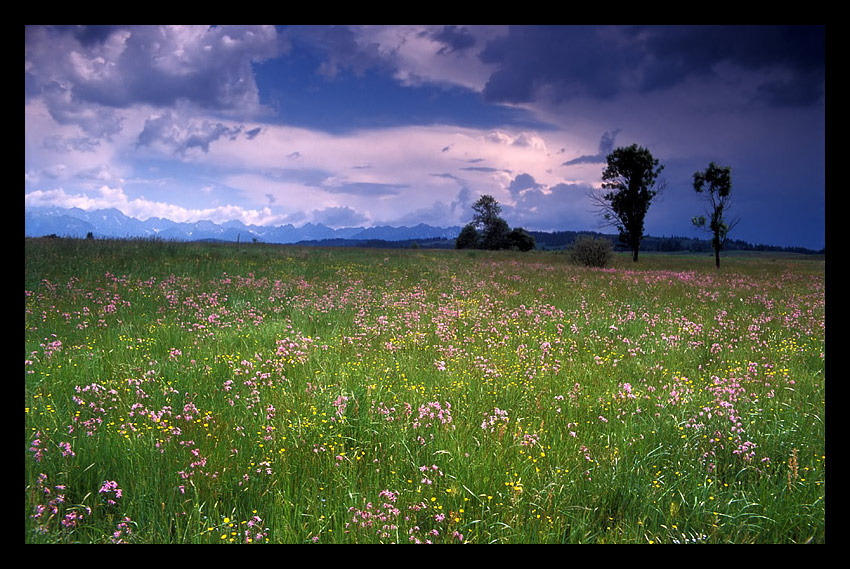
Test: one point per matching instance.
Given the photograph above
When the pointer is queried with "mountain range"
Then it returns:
(111, 223)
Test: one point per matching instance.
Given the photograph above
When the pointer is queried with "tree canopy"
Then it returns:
(631, 177)
(488, 230)
(715, 185)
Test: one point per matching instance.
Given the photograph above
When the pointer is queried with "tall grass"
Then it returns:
(188, 393)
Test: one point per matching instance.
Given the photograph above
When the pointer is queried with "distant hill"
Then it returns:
(111, 223)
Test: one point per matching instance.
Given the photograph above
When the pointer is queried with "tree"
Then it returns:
(487, 229)
(715, 185)
(520, 239)
(495, 236)
(631, 177)
(492, 227)
(468, 238)
(487, 211)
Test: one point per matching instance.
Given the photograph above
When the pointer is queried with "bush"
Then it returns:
(591, 251)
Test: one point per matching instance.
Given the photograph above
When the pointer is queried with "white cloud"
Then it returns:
(105, 198)
(420, 54)
(143, 209)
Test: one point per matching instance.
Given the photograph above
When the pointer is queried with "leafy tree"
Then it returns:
(492, 227)
(488, 230)
(631, 176)
(468, 238)
(520, 239)
(715, 185)
(495, 235)
(487, 210)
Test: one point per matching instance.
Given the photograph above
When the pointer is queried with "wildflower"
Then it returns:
(122, 531)
(71, 519)
(35, 447)
(111, 489)
(491, 420)
(389, 495)
(66, 449)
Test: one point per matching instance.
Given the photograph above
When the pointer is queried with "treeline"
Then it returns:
(549, 241)
(563, 239)
(434, 243)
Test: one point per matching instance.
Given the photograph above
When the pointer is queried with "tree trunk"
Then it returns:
(635, 255)
(717, 258)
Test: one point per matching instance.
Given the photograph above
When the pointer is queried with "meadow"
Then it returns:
(211, 393)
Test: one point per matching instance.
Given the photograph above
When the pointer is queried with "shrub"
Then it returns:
(591, 251)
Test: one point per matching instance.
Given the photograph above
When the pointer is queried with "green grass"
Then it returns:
(291, 395)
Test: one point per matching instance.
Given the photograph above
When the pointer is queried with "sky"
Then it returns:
(399, 125)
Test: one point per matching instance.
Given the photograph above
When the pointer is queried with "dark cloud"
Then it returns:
(567, 60)
(368, 189)
(479, 169)
(115, 67)
(339, 217)
(455, 38)
(564, 62)
(606, 146)
(796, 53)
(90, 35)
(439, 213)
(522, 183)
(181, 136)
(547, 209)
(208, 134)
(309, 177)
(338, 46)
(95, 120)
(463, 201)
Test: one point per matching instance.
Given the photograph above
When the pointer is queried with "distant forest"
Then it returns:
(563, 239)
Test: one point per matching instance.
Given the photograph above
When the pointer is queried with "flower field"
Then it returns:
(204, 393)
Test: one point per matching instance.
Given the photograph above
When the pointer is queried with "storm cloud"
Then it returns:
(566, 62)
